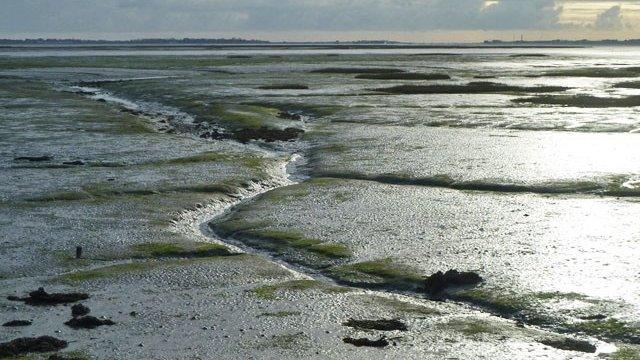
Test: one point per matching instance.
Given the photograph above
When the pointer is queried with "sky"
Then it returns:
(315, 20)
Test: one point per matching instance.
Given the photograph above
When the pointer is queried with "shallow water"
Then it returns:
(541, 200)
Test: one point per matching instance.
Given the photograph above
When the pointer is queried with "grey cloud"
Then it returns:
(610, 19)
(109, 16)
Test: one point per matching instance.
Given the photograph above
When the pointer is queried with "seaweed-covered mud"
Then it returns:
(267, 203)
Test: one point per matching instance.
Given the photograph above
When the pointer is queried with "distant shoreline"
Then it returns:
(279, 46)
(226, 43)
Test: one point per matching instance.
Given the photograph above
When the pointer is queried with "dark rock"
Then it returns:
(382, 342)
(66, 357)
(570, 345)
(267, 134)
(23, 346)
(439, 281)
(15, 323)
(284, 87)
(593, 317)
(382, 324)
(41, 297)
(79, 310)
(289, 115)
(264, 133)
(34, 158)
(88, 322)
(75, 162)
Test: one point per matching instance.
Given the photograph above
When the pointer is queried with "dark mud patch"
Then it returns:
(529, 56)
(70, 356)
(78, 310)
(263, 133)
(382, 324)
(357, 71)
(485, 77)
(479, 87)
(24, 346)
(439, 282)
(628, 85)
(34, 158)
(314, 110)
(596, 72)
(569, 344)
(88, 322)
(361, 342)
(583, 101)
(73, 163)
(289, 115)
(404, 76)
(17, 323)
(42, 298)
(284, 87)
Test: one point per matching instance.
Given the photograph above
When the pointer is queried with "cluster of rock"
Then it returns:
(80, 320)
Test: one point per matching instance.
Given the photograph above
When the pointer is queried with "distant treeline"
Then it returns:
(125, 42)
(583, 42)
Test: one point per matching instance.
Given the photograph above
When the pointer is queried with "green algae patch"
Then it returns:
(280, 240)
(68, 260)
(63, 196)
(626, 353)
(231, 226)
(292, 245)
(384, 273)
(250, 161)
(270, 292)
(556, 295)
(582, 101)
(331, 250)
(107, 271)
(107, 190)
(473, 327)
(324, 181)
(251, 116)
(506, 304)
(334, 148)
(169, 250)
(402, 307)
(612, 329)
